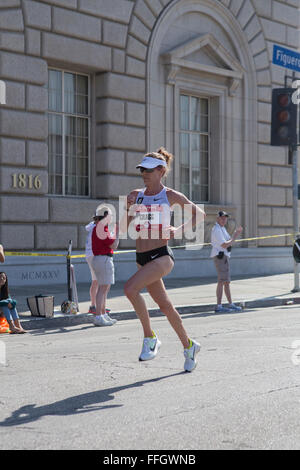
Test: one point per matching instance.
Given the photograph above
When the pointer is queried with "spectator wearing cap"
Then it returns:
(103, 244)
(221, 249)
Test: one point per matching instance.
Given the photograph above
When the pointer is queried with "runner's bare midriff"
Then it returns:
(147, 245)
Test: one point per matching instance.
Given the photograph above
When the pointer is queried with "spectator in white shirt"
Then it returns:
(221, 247)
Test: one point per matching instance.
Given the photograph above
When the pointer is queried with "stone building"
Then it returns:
(91, 85)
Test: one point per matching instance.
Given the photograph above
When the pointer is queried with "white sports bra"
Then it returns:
(157, 199)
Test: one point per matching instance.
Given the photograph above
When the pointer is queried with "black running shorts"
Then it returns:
(147, 256)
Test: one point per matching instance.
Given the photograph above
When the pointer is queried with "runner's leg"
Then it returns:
(146, 275)
(159, 294)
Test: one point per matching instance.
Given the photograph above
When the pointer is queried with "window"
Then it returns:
(68, 133)
(194, 147)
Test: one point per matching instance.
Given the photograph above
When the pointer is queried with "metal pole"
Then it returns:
(70, 291)
(74, 287)
(295, 212)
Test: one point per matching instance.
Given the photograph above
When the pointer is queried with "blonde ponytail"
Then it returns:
(167, 155)
(162, 154)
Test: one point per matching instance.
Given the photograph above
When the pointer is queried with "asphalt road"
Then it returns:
(82, 387)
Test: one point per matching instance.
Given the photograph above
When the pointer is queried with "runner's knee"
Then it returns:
(130, 291)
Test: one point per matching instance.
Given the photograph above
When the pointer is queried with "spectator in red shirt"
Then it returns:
(103, 245)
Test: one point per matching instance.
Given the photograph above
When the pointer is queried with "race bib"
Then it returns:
(154, 217)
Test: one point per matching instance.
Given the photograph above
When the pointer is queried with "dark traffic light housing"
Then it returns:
(284, 117)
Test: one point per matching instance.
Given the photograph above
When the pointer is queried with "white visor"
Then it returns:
(150, 162)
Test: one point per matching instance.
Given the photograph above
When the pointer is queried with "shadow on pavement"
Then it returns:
(78, 404)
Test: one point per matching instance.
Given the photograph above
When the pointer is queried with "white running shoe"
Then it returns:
(235, 308)
(108, 318)
(101, 321)
(221, 309)
(190, 356)
(150, 348)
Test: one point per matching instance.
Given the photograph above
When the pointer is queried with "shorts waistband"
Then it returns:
(108, 254)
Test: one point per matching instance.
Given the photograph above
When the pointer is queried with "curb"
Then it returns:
(61, 320)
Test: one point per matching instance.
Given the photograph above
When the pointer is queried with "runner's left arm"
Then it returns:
(197, 214)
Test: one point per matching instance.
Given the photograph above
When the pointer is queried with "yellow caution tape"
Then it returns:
(15, 253)
(115, 252)
(200, 244)
(262, 238)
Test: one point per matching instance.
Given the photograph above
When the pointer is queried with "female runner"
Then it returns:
(153, 256)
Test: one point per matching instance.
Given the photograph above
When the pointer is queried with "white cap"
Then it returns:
(101, 209)
(150, 162)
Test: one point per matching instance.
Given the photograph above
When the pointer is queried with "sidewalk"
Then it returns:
(189, 295)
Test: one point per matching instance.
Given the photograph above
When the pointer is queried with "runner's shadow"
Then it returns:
(78, 404)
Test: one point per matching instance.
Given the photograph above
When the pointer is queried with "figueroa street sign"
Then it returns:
(286, 58)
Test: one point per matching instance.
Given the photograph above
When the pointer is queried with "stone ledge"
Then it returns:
(117, 10)
(75, 51)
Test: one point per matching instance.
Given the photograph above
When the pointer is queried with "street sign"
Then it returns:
(286, 58)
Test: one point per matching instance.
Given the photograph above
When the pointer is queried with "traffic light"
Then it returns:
(284, 117)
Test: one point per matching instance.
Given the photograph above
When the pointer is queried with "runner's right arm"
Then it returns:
(128, 213)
